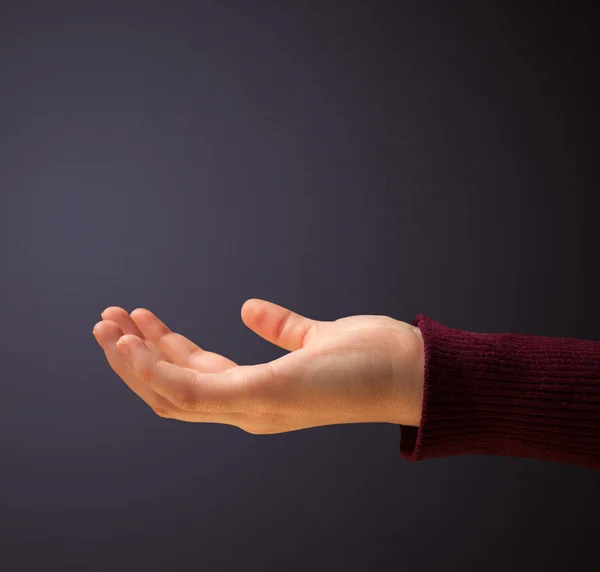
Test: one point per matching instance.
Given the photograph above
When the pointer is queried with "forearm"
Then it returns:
(507, 394)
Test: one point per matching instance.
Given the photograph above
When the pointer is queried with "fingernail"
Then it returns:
(123, 349)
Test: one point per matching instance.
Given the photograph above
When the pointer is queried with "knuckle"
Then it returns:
(280, 325)
(251, 430)
(182, 397)
(254, 430)
(186, 401)
(162, 412)
(144, 374)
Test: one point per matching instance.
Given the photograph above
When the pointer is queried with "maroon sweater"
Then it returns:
(507, 394)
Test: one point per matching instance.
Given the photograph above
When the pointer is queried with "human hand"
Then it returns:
(356, 369)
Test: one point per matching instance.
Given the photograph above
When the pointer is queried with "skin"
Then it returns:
(358, 369)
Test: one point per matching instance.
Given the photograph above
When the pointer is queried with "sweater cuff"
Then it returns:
(506, 394)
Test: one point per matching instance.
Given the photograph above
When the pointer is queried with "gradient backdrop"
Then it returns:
(337, 158)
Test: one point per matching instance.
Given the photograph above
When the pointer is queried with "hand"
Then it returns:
(357, 369)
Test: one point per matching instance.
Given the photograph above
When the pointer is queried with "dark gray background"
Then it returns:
(335, 158)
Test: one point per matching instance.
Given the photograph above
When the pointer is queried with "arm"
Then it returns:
(507, 394)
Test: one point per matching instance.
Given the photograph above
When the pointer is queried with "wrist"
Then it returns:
(408, 365)
(417, 385)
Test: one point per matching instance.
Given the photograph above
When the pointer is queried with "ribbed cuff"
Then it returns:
(507, 394)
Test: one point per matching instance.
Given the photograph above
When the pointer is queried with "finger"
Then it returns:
(107, 333)
(123, 319)
(185, 388)
(128, 326)
(278, 325)
(181, 350)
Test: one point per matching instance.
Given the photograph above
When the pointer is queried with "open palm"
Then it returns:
(355, 369)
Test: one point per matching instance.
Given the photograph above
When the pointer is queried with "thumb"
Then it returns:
(278, 325)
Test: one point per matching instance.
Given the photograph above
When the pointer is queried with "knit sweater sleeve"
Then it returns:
(516, 395)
